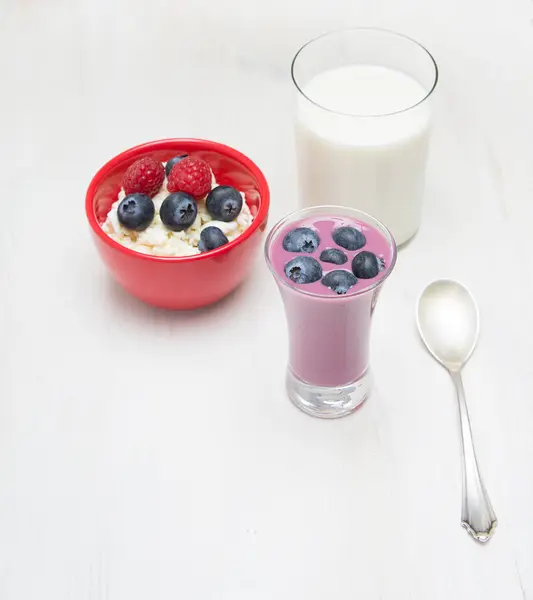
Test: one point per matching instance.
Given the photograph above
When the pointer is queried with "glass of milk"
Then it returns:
(363, 122)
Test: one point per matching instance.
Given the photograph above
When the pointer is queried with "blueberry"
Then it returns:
(224, 203)
(303, 269)
(136, 212)
(171, 162)
(301, 239)
(210, 238)
(349, 238)
(332, 255)
(366, 265)
(178, 211)
(339, 281)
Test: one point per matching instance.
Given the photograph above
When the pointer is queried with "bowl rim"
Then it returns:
(199, 144)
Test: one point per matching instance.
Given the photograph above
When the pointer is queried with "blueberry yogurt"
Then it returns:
(329, 263)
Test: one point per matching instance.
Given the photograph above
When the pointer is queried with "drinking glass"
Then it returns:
(362, 125)
(328, 372)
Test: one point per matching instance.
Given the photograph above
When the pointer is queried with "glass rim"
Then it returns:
(328, 207)
(357, 30)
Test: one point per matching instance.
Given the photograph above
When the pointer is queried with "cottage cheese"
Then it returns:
(157, 239)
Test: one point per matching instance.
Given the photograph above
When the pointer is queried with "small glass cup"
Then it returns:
(328, 372)
(363, 123)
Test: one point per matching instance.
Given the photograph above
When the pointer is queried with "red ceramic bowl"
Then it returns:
(190, 281)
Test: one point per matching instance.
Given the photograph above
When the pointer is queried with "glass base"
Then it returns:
(328, 402)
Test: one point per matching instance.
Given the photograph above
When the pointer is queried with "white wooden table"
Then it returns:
(198, 479)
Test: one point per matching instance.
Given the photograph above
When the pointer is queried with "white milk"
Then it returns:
(370, 162)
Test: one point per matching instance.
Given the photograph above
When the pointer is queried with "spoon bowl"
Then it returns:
(448, 321)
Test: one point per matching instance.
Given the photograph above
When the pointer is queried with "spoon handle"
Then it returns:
(477, 517)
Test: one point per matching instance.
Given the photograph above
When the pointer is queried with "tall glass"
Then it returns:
(329, 336)
(363, 123)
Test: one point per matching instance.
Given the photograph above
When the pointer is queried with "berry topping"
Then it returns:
(172, 161)
(303, 269)
(136, 212)
(339, 281)
(348, 238)
(191, 175)
(224, 203)
(210, 238)
(367, 265)
(333, 255)
(144, 176)
(301, 239)
(178, 211)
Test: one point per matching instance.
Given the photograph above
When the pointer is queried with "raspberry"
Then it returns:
(144, 176)
(192, 176)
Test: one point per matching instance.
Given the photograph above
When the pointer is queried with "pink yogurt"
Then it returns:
(329, 333)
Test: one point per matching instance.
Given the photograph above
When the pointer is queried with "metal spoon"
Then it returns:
(448, 322)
